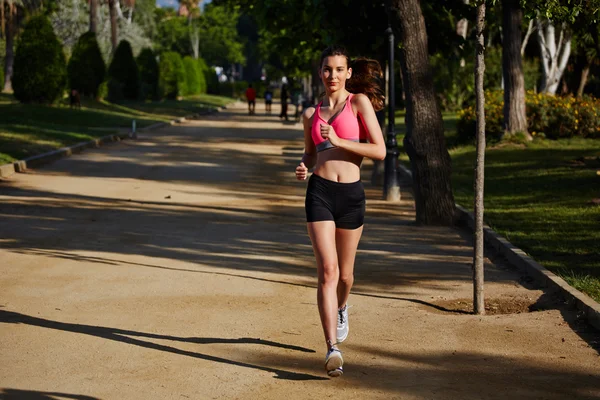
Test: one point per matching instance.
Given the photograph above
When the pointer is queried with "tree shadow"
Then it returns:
(124, 336)
(19, 394)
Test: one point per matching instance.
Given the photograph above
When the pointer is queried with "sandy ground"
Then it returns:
(177, 266)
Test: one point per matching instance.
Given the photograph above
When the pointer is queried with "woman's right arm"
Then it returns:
(309, 158)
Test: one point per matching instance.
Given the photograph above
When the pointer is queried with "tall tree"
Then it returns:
(113, 24)
(478, 299)
(9, 31)
(424, 140)
(515, 118)
(94, 16)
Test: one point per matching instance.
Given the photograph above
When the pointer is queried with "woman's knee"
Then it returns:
(329, 274)
(347, 278)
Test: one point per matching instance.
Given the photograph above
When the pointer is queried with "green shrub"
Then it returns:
(204, 71)
(123, 73)
(40, 71)
(172, 75)
(149, 74)
(548, 116)
(86, 67)
(1, 77)
(192, 76)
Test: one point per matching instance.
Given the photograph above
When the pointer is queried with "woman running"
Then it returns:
(338, 133)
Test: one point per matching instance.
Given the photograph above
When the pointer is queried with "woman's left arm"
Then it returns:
(376, 148)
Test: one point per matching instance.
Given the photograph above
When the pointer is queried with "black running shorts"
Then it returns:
(343, 203)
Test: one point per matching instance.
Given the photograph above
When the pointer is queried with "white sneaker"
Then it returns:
(342, 324)
(334, 362)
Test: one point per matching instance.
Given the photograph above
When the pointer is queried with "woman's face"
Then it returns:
(334, 72)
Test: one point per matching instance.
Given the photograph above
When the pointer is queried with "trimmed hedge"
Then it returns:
(123, 74)
(204, 70)
(86, 67)
(172, 75)
(192, 76)
(149, 75)
(548, 116)
(40, 70)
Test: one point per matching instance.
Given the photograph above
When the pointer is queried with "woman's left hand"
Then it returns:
(327, 132)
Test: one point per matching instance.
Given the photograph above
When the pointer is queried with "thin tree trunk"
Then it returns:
(554, 56)
(530, 29)
(515, 118)
(94, 16)
(584, 77)
(478, 299)
(424, 140)
(9, 58)
(113, 25)
(461, 30)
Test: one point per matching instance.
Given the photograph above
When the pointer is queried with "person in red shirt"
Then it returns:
(251, 97)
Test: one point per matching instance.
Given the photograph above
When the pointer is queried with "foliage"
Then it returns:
(205, 73)
(548, 116)
(40, 71)
(86, 67)
(71, 19)
(172, 34)
(454, 84)
(220, 44)
(149, 74)
(123, 74)
(192, 76)
(172, 75)
(493, 70)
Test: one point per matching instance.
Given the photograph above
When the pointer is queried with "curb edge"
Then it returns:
(523, 262)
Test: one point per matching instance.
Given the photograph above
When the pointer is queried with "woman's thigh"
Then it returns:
(323, 237)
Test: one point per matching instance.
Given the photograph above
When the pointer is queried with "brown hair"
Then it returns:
(366, 76)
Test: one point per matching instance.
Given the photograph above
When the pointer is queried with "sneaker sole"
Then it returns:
(336, 372)
(334, 363)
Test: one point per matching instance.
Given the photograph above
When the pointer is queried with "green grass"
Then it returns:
(538, 196)
(27, 130)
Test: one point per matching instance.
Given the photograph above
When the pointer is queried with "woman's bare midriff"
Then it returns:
(338, 165)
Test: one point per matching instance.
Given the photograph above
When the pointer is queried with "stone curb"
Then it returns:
(519, 259)
(7, 170)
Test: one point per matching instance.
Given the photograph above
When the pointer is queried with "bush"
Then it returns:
(204, 71)
(212, 81)
(123, 73)
(149, 75)
(40, 71)
(548, 116)
(86, 67)
(192, 76)
(172, 75)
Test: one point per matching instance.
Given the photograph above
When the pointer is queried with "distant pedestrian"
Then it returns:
(284, 102)
(268, 100)
(251, 97)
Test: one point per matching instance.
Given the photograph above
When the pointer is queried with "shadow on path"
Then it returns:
(121, 335)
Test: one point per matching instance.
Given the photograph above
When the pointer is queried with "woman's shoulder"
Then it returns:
(309, 113)
(360, 99)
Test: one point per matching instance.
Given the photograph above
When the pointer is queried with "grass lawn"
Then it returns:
(27, 130)
(538, 196)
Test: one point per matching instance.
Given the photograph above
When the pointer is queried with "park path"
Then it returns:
(177, 266)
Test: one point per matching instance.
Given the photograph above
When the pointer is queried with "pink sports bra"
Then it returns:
(346, 125)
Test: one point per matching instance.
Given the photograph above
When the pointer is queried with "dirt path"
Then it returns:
(177, 266)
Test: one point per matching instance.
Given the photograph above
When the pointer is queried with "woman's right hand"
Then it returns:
(301, 172)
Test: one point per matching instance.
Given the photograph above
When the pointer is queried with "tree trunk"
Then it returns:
(113, 25)
(461, 30)
(10, 44)
(424, 140)
(478, 301)
(554, 56)
(584, 77)
(515, 118)
(94, 16)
